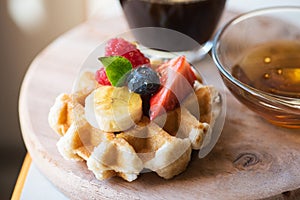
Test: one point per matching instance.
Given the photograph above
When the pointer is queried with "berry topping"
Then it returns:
(177, 79)
(143, 80)
(118, 47)
(101, 77)
(116, 68)
(121, 47)
(136, 58)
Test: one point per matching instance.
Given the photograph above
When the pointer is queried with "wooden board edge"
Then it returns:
(21, 178)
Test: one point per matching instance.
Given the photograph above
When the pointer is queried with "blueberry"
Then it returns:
(143, 80)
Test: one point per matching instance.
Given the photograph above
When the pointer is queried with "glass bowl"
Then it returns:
(250, 52)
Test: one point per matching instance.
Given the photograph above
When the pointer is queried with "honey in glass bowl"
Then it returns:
(258, 56)
(273, 67)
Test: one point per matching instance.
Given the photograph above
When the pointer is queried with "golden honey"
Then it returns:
(273, 67)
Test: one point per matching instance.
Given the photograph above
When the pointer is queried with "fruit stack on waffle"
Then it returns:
(132, 116)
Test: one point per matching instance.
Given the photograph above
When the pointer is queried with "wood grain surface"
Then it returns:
(252, 159)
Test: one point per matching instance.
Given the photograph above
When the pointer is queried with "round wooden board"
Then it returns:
(251, 160)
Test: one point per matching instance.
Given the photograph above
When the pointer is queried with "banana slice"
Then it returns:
(113, 109)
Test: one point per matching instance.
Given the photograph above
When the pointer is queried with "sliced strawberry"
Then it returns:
(121, 47)
(101, 77)
(177, 79)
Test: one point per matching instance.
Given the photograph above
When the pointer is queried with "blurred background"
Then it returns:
(26, 28)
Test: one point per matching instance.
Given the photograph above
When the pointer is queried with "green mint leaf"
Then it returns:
(116, 68)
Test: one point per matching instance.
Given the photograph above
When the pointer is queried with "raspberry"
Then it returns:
(136, 58)
(118, 47)
(121, 47)
(101, 77)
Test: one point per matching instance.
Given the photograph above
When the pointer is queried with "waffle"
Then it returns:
(164, 148)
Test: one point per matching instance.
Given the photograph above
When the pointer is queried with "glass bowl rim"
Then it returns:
(244, 16)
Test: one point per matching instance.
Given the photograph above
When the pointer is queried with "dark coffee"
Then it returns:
(195, 18)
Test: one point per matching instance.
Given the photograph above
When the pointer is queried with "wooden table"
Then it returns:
(251, 160)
